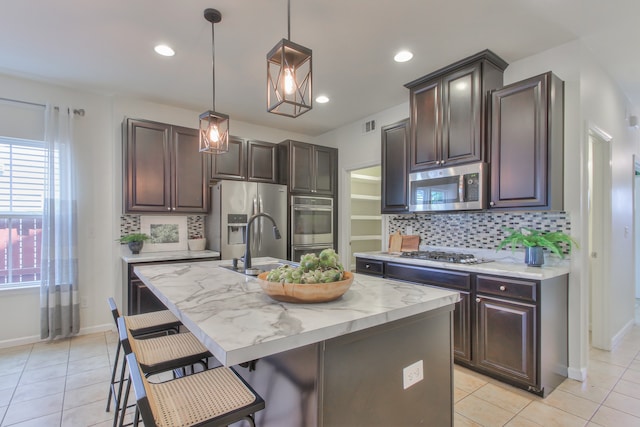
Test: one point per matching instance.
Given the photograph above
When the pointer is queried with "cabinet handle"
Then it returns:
(442, 162)
(503, 288)
(169, 208)
(492, 203)
(367, 266)
(478, 300)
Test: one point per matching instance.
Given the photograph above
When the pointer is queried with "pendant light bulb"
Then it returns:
(214, 133)
(289, 80)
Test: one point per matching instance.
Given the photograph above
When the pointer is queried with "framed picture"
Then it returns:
(168, 233)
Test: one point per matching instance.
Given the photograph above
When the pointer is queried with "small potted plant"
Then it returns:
(196, 242)
(135, 241)
(534, 242)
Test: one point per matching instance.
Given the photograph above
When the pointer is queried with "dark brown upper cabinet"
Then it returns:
(164, 171)
(448, 112)
(308, 168)
(395, 164)
(527, 144)
(246, 160)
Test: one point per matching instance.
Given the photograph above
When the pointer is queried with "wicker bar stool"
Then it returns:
(217, 397)
(157, 355)
(146, 324)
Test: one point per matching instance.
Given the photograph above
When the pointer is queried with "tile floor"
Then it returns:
(64, 383)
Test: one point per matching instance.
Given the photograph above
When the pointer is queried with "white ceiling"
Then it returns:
(107, 47)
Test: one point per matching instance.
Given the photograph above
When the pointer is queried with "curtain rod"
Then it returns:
(77, 111)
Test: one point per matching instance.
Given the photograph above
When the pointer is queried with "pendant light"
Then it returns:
(289, 76)
(214, 127)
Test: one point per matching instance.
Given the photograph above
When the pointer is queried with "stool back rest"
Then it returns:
(123, 333)
(144, 400)
(114, 309)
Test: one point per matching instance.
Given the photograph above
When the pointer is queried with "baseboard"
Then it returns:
(15, 342)
(620, 335)
(578, 374)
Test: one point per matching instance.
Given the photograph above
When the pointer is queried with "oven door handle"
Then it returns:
(323, 246)
(311, 208)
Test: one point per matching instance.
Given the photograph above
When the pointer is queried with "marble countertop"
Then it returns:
(130, 258)
(502, 265)
(238, 322)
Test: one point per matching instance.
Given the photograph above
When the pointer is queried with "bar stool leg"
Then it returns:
(113, 377)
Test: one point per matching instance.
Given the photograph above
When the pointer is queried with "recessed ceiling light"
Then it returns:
(164, 50)
(322, 99)
(403, 56)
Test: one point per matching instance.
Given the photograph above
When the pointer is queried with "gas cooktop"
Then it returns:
(452, 257)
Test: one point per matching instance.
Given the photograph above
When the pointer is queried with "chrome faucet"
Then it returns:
(247, 238)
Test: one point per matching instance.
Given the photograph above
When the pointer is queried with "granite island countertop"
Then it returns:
(504, 265)
(238, 322)
(130, 258)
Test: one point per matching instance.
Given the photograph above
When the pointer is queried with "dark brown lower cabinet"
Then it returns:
(512, 329)
(506, 339)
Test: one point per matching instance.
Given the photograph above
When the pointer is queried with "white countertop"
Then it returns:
(237, 322)
(130, 258)
(506, 265)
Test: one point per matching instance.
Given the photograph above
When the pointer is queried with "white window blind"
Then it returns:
(22, 181)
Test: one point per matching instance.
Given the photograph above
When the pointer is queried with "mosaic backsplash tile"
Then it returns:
(131, 224)
(477, 230)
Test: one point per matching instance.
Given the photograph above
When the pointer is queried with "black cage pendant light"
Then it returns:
(289, 76)
(214, 127)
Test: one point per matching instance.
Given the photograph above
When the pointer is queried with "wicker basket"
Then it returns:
(305, 293)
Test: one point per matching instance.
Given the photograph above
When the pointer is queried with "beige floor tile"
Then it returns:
(87, 351)
(584, 389)
(40, 360)
(47, 346)
(462, 421)
(628, 388)
(10, 380)
(36, 408)
(623, 403)
(40, 374)
(631, 375)
(18, 349)
(6, 395)
(37, 390)
(519, 421)
(549, 416)
(483, 412)
(86, 415)
(3, 410)
(83, 379)
(609, 417)
(606, 368)
(52, 420)
(81, 396)
(458, 394)
(11, 366)
(572, 404)
(87, 364)
(602, 380)
(502, 398)
(617, 357)
(467, 382)
(635, 365)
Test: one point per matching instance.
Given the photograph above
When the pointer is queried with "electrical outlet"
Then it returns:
(412, 374)
(409, 229)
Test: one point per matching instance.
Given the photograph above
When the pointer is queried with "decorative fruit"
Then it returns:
(322, 268)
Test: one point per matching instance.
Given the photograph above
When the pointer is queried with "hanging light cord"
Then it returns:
(289, 20)
(213, 68)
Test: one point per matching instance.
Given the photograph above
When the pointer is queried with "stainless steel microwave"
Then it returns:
(456, 188)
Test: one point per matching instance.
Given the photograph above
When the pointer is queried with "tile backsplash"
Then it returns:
(477, 230)
(131, 224)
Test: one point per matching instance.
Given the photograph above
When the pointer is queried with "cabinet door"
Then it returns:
(232, 164)
(190, 185)
(325, 167)
(462, 328)
(506, 339)
(519, 145)
(301, 167)
(425, 126)
(147, 180)
(395, 154)
(261, 162)
(461, 116)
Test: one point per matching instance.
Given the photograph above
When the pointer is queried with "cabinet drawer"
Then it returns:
(369, 266)
(429, 276)
(507, 288)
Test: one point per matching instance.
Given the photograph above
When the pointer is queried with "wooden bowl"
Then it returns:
(305, 293)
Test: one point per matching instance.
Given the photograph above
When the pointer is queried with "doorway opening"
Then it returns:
(365, 219)
(599, 220)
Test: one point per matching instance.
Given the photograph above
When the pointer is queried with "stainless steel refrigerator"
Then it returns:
(232, 204)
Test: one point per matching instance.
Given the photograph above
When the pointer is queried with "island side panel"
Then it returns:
(363, 382)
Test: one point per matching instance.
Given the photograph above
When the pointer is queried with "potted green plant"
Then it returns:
(135, 241)
(534, 242)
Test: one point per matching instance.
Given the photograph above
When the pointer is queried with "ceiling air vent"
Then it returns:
(368, 127)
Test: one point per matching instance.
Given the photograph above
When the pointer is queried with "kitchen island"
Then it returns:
(379, 355)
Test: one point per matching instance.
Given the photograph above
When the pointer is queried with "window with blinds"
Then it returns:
(22, 184)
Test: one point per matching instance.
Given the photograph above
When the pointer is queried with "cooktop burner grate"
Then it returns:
(442, 256)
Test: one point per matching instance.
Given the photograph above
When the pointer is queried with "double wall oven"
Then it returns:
(311, 225)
